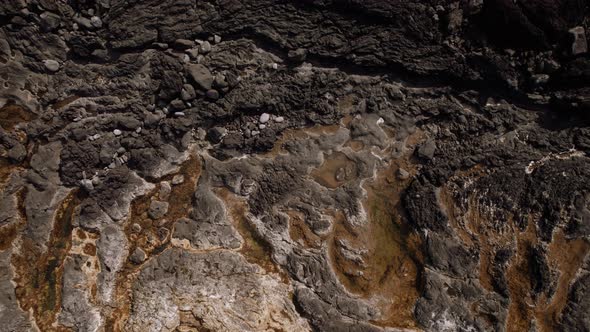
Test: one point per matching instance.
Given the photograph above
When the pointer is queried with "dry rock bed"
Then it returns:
(294, 165)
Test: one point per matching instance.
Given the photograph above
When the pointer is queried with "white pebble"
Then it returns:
(96, 22)
(51, 65)
(261, 126)
(264, 117)
(205, 47)
(279, 119)
(117, 132)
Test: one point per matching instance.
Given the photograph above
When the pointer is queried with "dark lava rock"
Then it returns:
(216, 134)
(201, 75)
(371, 166)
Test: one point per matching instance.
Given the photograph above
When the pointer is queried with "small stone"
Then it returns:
(96, 22)
(136, 228)
(51, 65)
(163, 233)
(128, 122)
(161, 46)
(49, 21)
(279, 119)
(212, 94)
(179, 114)
(216, 134)
(84, 22)
(184, 43)
(220, 81)
(87, 185)
(95, 180)
(177, 105)
(217, 39)
(18, 21)
(193, 53)
(205, 47)
(402, 174)
(165, 190)
(201, 75)
(188, 92)
(426, 150)
(138, 256)
(201, 134)
(101, 54)
(117, 132)
(255, 132)
(264, 117)
(157, 209)
(580, 44)
(297, 55)
(178, 179)
(261, 126)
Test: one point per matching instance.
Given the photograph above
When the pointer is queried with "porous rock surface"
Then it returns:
(315, 165)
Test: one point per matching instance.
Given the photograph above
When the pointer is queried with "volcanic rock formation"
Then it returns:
(294, 165)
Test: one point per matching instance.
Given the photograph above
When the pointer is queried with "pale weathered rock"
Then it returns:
(178, 179)
(165, 190)
(158, 209)
(96, 22)
(51, 65)
(205, 47)
(247, 299)
(264, 117)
